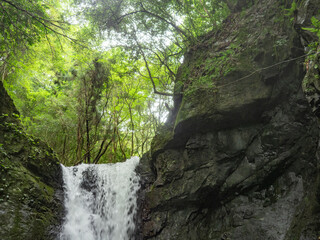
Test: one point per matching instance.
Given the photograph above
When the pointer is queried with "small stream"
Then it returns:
(100, 201)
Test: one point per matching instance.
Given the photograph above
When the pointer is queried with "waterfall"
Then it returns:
(100, 201)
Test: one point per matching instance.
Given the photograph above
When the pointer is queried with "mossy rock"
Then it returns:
(30, 181)
(162, 139)
(238, 66)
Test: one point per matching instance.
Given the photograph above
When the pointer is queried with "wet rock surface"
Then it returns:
(30, 181)
(239, 161)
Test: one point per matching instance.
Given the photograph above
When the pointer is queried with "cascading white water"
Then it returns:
(100, 201)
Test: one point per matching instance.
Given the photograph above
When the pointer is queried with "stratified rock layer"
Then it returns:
(30, 181)
(238, 160)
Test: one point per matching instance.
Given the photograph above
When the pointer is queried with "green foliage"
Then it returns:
(23, 24)
(188, 18)
(312, 60)
(95, 101)
(316, 26)
(293, 10)
(158, 32)
(106, 89)
(290, 11)
(314, 46)
(205, 74)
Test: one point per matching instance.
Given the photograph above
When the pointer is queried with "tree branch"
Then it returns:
(179, 30)
(150, 74)
(42, 21)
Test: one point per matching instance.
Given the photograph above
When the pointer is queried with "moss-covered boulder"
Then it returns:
(30, 181)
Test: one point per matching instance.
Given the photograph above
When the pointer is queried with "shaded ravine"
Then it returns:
(100, 201)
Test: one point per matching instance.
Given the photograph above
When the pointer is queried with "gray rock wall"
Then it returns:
(238, 160)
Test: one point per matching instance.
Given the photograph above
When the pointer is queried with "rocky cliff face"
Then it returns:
(30, 181)
(239, 159)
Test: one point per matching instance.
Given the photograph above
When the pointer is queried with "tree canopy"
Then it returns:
(93, 79)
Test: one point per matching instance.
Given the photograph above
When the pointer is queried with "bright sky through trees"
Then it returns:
(95, 79)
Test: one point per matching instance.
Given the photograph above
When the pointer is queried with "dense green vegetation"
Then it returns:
(94, 79)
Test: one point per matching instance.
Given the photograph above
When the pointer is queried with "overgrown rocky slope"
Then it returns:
(238, 159)
(30, 181)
